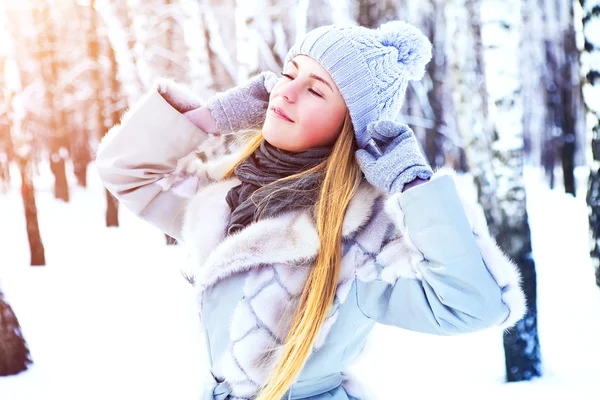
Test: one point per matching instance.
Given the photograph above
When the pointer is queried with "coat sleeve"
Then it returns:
(440, 272)
(148, 157)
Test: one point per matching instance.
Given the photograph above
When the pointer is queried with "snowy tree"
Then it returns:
(194, 36)
(318, 13)
(45, 17)
(115, 107)
(13, 348)
(121, 35)
(372, 13)
(465, 59)
(439, 150)
(6, 152)
(20, 105)
(590, 69)
(219, 34)
(501, 35)
(560, 89)
(571, 97)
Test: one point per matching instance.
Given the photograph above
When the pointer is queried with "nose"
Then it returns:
(289, 91)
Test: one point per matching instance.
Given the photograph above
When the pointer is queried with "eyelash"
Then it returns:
(310, 90)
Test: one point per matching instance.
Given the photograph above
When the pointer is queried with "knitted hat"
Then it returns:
(371, 67)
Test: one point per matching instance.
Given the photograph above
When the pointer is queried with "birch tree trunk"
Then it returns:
(501, 33)
(590, 66)
(116, 17)
(533, 61)
(193, 31)
(247, 54)
(438, 93)
(465, 60)
(219, 29)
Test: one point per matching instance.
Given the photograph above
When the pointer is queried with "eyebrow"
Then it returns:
(311, 75)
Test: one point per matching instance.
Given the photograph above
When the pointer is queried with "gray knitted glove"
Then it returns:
(244, 106)
(400, 160)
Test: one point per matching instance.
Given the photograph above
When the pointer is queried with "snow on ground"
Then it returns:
(110, 316)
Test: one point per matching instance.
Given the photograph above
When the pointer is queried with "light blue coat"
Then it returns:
(421, 260)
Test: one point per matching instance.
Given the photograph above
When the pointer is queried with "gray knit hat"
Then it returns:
(371, 67)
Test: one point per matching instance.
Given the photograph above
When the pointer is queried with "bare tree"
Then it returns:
(23, 123)
(318, 13)
(372, 13)
(116, 107)
(116, 17)
(571, 97)
(6, 148)
(465, 59)
(501, 32)
(48, 60)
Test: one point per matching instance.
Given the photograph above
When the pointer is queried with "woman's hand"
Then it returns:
(399, 161)
(244, 106)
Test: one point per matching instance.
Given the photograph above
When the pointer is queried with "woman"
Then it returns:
(327, 221)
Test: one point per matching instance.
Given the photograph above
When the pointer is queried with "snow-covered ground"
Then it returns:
(110, 316)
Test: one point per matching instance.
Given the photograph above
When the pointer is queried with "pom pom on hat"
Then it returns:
(414, 49)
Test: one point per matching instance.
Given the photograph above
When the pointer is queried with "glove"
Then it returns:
(400, 160)
(243, 107)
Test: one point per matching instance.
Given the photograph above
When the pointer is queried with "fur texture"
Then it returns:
(276, 255)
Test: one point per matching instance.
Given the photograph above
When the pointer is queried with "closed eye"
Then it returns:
(310, 89)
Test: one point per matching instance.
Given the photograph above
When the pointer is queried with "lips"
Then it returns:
(281, 114)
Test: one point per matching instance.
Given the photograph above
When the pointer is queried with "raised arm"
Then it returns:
(149, 160)
(439, 272)
(436, 269)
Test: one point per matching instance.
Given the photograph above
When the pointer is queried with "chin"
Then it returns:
(273, 140)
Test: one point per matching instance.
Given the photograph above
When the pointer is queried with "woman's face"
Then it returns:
(306, 110)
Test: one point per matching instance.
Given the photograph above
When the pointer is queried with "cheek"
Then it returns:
(321, 125)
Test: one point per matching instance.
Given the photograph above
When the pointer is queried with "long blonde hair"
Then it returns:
(341, 178)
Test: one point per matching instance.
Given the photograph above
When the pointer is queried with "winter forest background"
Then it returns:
(92, 304)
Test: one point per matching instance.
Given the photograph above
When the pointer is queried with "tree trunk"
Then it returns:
(80, 156)
(5, 139)
(121, 34)
(96, 119)
(318, 13)
(36, 246)
(372, 13)
(591, 98)
(219, 30)
(112, 210)
(117, 105)
(437, 71)
(551, 79)
(501, 32)
(170, 241)
(570, 90)
(470, 101)
(48, 62)
(193, 34)
(13, 347)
